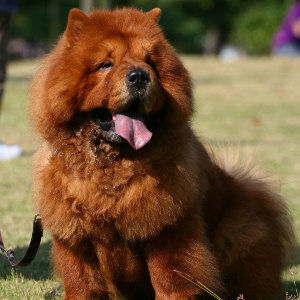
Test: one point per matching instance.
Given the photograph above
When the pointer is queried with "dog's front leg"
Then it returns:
(80, 270)
(186, 249)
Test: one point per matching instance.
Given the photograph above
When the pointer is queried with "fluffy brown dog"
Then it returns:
(125, 187)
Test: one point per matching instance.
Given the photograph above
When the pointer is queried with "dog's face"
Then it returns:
(118, 67)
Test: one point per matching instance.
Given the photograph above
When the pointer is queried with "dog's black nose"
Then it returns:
(137, 78)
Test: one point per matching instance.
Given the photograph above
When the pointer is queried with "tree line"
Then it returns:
(192, 26)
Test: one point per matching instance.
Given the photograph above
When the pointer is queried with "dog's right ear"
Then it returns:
(76, 21)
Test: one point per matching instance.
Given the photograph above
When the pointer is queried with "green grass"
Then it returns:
(253, 102)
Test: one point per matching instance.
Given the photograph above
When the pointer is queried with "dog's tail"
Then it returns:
(257, 223)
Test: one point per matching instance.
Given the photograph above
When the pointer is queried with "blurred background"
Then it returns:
(205, 26)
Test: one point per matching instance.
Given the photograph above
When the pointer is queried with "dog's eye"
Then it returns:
(151, 63)
(105, 66)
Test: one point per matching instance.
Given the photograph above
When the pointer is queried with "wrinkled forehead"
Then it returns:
(118, 44)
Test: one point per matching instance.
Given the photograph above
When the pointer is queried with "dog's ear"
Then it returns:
(154, 14)
(76, 21)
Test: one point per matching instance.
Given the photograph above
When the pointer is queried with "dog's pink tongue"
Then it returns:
(130, 125)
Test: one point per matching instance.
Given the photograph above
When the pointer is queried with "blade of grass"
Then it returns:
(198, 284)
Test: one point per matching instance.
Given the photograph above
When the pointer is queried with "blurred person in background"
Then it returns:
(7, 8)
(286, 40)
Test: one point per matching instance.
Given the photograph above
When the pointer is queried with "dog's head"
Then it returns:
(117, 69)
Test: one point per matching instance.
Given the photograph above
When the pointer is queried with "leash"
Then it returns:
(33, 247)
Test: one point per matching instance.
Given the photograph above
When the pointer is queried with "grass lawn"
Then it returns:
(255, 102)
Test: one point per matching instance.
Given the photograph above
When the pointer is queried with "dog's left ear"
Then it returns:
(154, 14)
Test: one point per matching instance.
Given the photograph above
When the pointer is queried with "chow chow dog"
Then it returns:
(125, 187)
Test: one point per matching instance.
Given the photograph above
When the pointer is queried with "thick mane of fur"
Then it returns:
(65, 80)
(122, 219)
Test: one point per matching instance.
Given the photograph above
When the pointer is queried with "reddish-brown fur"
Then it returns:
(123, 220)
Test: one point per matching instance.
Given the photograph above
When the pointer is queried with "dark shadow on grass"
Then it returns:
(39, 269)
(290, 287)
(293, 259)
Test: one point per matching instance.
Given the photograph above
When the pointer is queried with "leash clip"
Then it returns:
(37, 216)
(10, 253)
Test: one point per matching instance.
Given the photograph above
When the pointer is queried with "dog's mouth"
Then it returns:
(127, 125)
